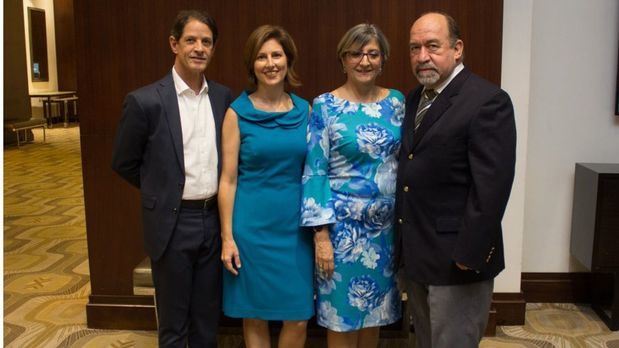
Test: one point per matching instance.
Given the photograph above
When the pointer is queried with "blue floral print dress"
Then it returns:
(349, 184)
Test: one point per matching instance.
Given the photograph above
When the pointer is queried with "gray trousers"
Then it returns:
(449, 316)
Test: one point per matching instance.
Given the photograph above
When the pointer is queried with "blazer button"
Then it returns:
(405, 188)
(410, 156)
(174, 210)
(400, 221)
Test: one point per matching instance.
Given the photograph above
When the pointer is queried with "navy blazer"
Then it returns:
(454, 179)
(148, 153)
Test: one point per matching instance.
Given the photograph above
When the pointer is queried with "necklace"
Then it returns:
(350, 95)
(282, 104)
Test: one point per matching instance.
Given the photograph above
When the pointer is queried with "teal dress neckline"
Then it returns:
(268, 119)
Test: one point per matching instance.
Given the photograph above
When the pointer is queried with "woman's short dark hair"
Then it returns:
(255, 41)
(359, 36)
(184, 16)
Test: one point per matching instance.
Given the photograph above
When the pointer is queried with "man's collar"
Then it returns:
(453, 74)
(181, 86)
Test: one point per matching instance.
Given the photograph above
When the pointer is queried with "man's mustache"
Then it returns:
(426, 66)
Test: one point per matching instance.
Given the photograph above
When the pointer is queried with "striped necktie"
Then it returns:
(427, 98)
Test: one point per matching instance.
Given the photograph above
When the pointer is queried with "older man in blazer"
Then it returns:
(454, 179)
(167, 145)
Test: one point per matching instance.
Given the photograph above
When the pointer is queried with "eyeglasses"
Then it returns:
(357, 56)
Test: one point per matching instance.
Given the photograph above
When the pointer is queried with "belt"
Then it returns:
(204, 204)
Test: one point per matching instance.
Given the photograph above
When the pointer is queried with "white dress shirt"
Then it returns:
(453, 74)
(199, 147)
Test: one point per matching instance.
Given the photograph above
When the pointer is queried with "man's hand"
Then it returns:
(463, 267)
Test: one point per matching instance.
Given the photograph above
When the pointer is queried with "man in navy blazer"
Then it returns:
(456, 169)
(167, 145)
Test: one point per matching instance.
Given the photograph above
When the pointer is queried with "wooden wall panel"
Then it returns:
(123, 45)
(557, 287)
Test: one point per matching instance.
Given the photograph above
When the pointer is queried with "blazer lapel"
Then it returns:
(218, 105)
(439, 106)
(172, 114)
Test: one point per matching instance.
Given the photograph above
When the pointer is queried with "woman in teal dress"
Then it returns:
(268, 257)
(349, 194)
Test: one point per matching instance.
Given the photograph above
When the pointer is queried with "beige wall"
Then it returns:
(515, 80)
(561, 77)
(572, 88)
(559, 66)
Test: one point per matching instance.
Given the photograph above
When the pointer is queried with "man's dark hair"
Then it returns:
(183, 17)
(454, 29)
(452, 26)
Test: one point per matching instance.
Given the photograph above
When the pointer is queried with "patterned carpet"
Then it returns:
(46, 282)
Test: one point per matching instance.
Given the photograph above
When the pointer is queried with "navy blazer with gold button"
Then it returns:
(454, 179)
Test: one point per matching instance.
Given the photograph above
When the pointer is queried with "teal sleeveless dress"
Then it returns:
(275, 281)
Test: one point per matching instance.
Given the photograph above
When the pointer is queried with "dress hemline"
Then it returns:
(269, 315)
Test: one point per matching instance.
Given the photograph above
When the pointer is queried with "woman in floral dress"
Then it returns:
(348, 194)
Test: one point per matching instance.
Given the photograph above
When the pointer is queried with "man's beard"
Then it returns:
(428, 77)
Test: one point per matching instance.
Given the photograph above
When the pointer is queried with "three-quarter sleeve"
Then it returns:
(317, 205)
